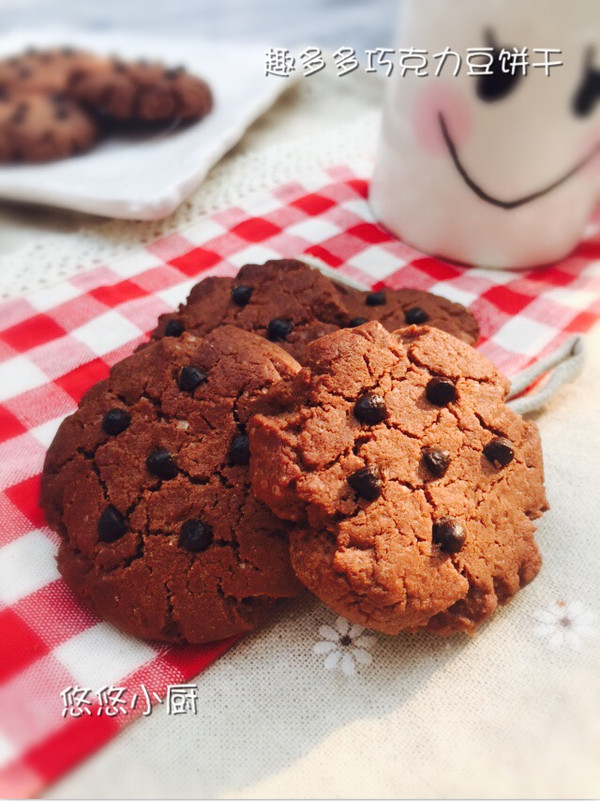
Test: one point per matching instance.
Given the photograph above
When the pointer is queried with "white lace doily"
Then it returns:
(322, 120)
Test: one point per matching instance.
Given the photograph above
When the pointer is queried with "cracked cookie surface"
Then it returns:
(148, 486)
(283, 300)
(411, 485)
(397, 308)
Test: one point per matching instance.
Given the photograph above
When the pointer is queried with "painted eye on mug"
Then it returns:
(501, 79)
(588, 91)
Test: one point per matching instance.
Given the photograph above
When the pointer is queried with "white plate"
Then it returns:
(148, 177)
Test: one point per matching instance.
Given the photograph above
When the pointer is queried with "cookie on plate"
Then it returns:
(283, 300)
(148, 486)
(45, 70)
(412, 485)
(396, 308)
(39, 127)
(142, 91)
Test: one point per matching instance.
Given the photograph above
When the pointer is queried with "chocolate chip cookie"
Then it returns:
(396, 308)
(38, 127)
(412, 485)
(283, 300)
(142, 91)
(55, 100)
(148, 486)
(46, 70)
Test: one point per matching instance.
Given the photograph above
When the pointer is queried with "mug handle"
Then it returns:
(562, 365)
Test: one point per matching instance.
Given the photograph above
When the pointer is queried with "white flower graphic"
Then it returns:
(345, 646)
(565, 625)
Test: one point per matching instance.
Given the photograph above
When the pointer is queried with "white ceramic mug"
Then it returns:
(498, 171)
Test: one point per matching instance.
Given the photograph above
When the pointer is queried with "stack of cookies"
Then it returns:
(280, 432)
(56, 102)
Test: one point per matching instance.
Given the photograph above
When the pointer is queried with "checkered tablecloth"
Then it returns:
(58, 341)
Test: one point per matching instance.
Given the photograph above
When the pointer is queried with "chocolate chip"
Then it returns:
(115, 421)
(356, 321)
(367, 482)
(24, 72)
(111, 525)
(120, 66)
(436, 461)
(376, 299)
(195, 535)
(499, 452)
(191, 377)
(61, 113)
(161, 464)
(449, 534)
(440, 391)
(416, 316)
(278, 329)
(173, 72)
(241, 295)
(239, 451)
(68, 51)
(174, 328)
(370, 409)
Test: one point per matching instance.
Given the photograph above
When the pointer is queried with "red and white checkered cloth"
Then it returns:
(55, 343)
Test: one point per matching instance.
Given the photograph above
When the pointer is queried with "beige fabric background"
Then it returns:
(515, 712)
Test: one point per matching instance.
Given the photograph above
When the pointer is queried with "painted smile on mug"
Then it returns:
(507, 204)
(496, 84)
